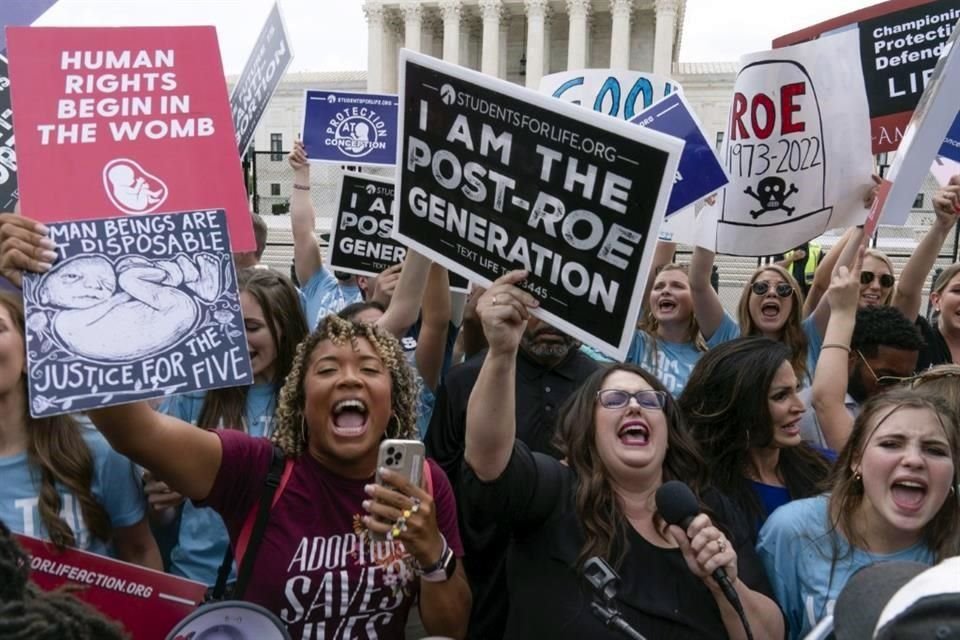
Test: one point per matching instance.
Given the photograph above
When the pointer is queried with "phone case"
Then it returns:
(404, 457)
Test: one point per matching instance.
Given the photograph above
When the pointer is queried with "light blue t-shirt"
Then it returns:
(323, 294)
(116, 486)
(796, 548)
(675, 360)
(203, 539)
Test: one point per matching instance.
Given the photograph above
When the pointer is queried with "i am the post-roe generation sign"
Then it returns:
(125, 121)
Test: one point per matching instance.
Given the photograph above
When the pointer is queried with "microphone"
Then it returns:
(605, 582)
(677, 505)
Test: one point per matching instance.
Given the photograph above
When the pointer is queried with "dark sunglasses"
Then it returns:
(784, 290)
(618, 398)
(886, 280)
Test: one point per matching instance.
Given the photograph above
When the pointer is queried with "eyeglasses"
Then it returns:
(884, 381)
(783, 289)
(618, 398)
(886, 280)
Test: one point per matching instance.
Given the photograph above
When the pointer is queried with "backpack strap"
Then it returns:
(428, 477)
(253, 527)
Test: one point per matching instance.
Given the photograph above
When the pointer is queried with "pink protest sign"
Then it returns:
(132, 120)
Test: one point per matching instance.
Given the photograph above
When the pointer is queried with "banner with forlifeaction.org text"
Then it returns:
(494, 177)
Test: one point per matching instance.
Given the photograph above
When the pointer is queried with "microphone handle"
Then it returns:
(720, 576)
(624, 627)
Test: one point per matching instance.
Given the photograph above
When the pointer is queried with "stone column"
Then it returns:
(490, 12)
(663, 40)
(450, 12)
(392, 42)
(502, 56)
(577, 11)
(620, 11)
(536, 39)
(412, 25)
(376, 36)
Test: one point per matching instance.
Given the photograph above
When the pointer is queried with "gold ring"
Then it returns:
(721, 544)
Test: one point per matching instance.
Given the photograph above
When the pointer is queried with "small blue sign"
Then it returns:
(350, 128)
(134, 308)
(951, 146)
(700, 172)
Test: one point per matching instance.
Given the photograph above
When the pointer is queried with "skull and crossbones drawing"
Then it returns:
(772, 194)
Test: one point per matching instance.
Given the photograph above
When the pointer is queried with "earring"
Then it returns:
(303, 429)
(952, 490)
(857, 477)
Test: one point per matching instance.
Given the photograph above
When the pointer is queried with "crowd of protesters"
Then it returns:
(818, 434)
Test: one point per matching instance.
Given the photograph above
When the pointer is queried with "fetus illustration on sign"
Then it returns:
(126, 310)
(131, 188)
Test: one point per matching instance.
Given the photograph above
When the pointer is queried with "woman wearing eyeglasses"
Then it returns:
(622, 437)
(743, 409)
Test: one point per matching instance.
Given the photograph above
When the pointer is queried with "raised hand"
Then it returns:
(24, 246)
(298, 159)
(504, 309)
(946, 203)
(844, 291)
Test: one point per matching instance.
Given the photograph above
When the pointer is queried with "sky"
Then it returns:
(331, 35)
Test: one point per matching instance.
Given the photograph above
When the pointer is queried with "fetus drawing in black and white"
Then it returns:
(129, 309)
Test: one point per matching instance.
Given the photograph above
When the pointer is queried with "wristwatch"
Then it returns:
(443, 569)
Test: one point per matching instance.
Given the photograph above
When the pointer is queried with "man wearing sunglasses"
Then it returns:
(883, 352)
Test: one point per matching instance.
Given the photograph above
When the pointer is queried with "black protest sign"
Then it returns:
(8, 156)
(899, 51)
(900, 43)
(134, 308)
(361, 240)
(265, 67)
(494, 177)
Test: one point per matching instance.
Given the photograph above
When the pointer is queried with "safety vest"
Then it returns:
(813, 259)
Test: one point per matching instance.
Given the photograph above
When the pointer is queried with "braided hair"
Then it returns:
(26, 613)
(289, 431)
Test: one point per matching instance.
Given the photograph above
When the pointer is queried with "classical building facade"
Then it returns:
(521, 40)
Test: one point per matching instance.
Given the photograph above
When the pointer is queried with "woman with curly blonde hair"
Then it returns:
(348, 389)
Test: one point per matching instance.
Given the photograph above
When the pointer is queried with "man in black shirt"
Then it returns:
(550, 366)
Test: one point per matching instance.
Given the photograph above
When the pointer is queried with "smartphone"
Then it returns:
(404, 457)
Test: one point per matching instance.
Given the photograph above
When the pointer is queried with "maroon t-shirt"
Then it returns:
(316, 568)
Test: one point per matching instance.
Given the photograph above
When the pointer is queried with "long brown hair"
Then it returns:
(56, 448)
(792, 333)
(597, 506)
(280, 303)
(940, 534)
(726, 409)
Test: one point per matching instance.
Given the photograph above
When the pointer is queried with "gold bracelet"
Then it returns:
(835, 345)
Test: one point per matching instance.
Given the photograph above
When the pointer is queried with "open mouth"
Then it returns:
(666, 306)
(792, 428)
(634, 434)
(770, 309)
(870, 298)
(350, 418)
(908, 495)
